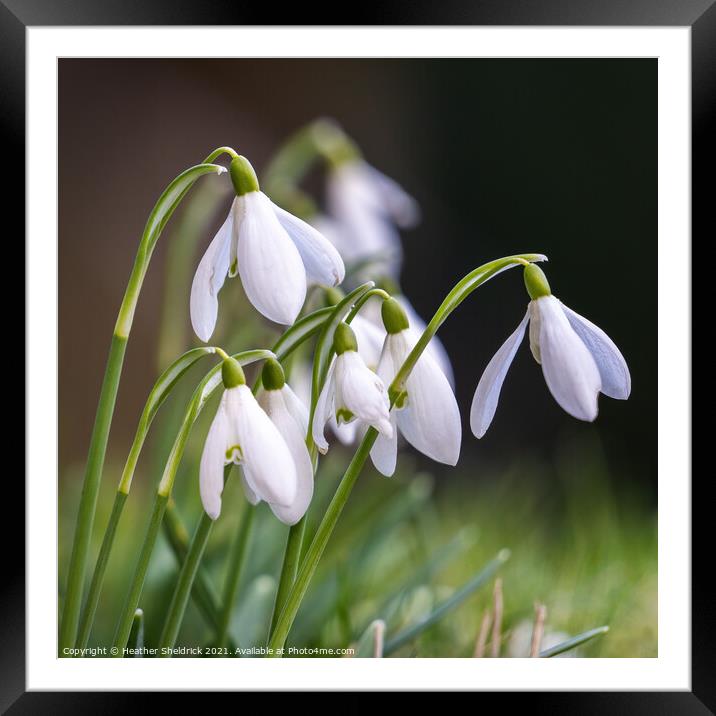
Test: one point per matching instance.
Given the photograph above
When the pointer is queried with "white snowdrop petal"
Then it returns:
(324, 408)
(570, 371)
(264, 452)
(613, 370)
(384, 453)
(357, 207)
(296, 407)
(249, 491)
(321, 260)
(208, 280)
(211, 466)
(430, 421)
(399, 205)
(270, 266)
(274, 403)
(484, 402)
(347, 433)
(362, 392)
(369, 337)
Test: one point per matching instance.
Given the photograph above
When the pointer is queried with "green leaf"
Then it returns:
(575, 641)
(136, 635)
(159, 393)
(484, 575)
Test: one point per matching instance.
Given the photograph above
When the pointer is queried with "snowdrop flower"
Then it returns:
(290, 416)
(578, 359)
(274, 253)
(436, 349)
(426, 412)
(242, 433)
(365, 205)
(352, 391)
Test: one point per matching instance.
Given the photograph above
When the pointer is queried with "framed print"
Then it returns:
(368, 344)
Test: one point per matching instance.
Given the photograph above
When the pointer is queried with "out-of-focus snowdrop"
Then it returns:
(578, 359)
(366, 207)
(352, 391)
(243, 433)
(275, 254)
(426, 412)
(290, 415)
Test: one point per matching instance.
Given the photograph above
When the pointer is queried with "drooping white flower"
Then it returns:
(578, 359)
(274, 253)
(367, 208)
(372, 312)
(352, 392)
(243, 433)
(426, 413)
(290, 416)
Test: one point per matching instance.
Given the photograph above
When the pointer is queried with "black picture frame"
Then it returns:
(699, 15)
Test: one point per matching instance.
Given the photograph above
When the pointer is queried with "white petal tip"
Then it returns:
(213, 513)
(220, 170)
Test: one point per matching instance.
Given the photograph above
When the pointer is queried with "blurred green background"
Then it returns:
(556, 156)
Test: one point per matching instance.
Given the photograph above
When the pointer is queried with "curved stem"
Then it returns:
(308, 567)
(203, 593)
(177, 607)
(457, 295)
(318, 544)
(237, 561)
(125, 624)
(98, 577)
(90, 492)
(289, 568)
(159, 393)
(160, 214)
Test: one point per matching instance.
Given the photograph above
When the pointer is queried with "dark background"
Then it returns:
(504, 156)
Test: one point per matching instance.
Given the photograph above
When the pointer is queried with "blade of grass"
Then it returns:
(414, 630)
(574, 642)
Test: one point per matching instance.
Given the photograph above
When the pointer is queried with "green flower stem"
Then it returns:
(100, 567)
(237, 562)
(159, 393)
(125, 624)
(308, 567)
(203, 593)
(185, 582)
(203, 392)
(318, 544)
(323, 353)
(384, 295)
(289, 568)
(158, 218)
(136, 636)
(90, 492)
(456, 296)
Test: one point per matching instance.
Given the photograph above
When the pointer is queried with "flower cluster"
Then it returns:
(276, 255)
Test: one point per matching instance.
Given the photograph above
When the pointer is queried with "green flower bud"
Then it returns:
(333, 143)
(536, 282)
(272, 375)
(395, 319)
(232, 374)
(243, 176)
(333, 296)
(344, 339)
